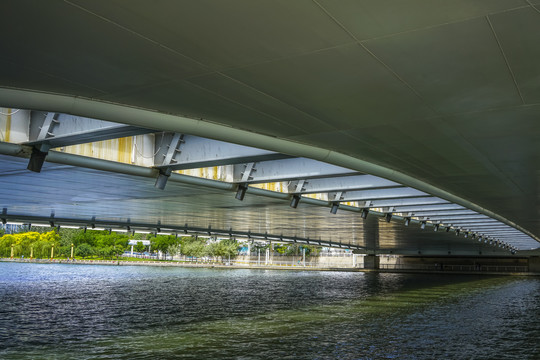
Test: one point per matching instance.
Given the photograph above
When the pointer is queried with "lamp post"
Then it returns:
(52, 251)
(71, 251)
(31, 252)
(12, 245)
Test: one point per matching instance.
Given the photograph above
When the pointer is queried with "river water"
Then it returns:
(60, 311)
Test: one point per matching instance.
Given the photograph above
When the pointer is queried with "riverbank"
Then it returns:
(300, 267)
(187, 264)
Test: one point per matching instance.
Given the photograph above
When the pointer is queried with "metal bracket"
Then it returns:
(46, 129)
(337, 197)
(165, 172)
(295, 200)
(40, 151)
(297, 186)
(37, 158)
(162, 178)
(246, 176)
(241, 191)
(248, 172)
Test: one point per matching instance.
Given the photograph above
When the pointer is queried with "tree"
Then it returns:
(139, 247)
(174, 249)
(107, 251)
(5, 244)
(84, 250)
(193, 246)
(64, 251)
(69, 236)
(162, 243)
(118, 249)
(228, 248)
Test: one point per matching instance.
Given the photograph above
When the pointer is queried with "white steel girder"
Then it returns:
(426, 208)
(421, 201)
(289, 170)
(52, 130)
(343, 183)
(378, 194)
(193, 152)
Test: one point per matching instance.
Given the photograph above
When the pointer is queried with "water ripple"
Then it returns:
(61, 311)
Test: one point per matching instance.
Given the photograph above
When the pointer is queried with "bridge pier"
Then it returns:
(371, 262)
(534, 264)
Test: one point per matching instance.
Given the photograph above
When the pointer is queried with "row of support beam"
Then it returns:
(245, 166)
(173, 229)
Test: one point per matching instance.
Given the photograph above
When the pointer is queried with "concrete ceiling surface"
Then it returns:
(446, 92)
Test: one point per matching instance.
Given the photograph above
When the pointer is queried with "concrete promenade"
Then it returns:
(159, 263)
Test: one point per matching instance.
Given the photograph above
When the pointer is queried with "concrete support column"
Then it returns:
(534, 264)
(371, 262)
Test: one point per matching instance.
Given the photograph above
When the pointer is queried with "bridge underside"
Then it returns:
(67, 195)
(439, 97)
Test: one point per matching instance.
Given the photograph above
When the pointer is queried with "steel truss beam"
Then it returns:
(475, 222)
(176, 151)
(500, 235)
(468, 223)
(491, 226)
(380, 194)
(289, 170)
(52, 130)
(422, 201)
(426, 208)
(518, 236)
(58, 130)
(448, 214)
(194, 152)
(452, 218)
(343, 184)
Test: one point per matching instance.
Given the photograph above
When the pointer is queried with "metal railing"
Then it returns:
(445, 267)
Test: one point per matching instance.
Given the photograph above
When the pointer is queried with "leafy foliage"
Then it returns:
(193, 246)
(106, 245)
(23, 243)
(139, 247)
(84, 250)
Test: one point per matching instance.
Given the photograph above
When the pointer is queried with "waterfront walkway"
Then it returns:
(455, 269)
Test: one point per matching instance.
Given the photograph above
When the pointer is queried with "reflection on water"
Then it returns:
(94, 312)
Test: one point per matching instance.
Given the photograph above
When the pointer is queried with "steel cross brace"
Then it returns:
(52, 130)
(165, 170)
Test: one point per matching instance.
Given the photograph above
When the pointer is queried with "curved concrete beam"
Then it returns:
(28, 99)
